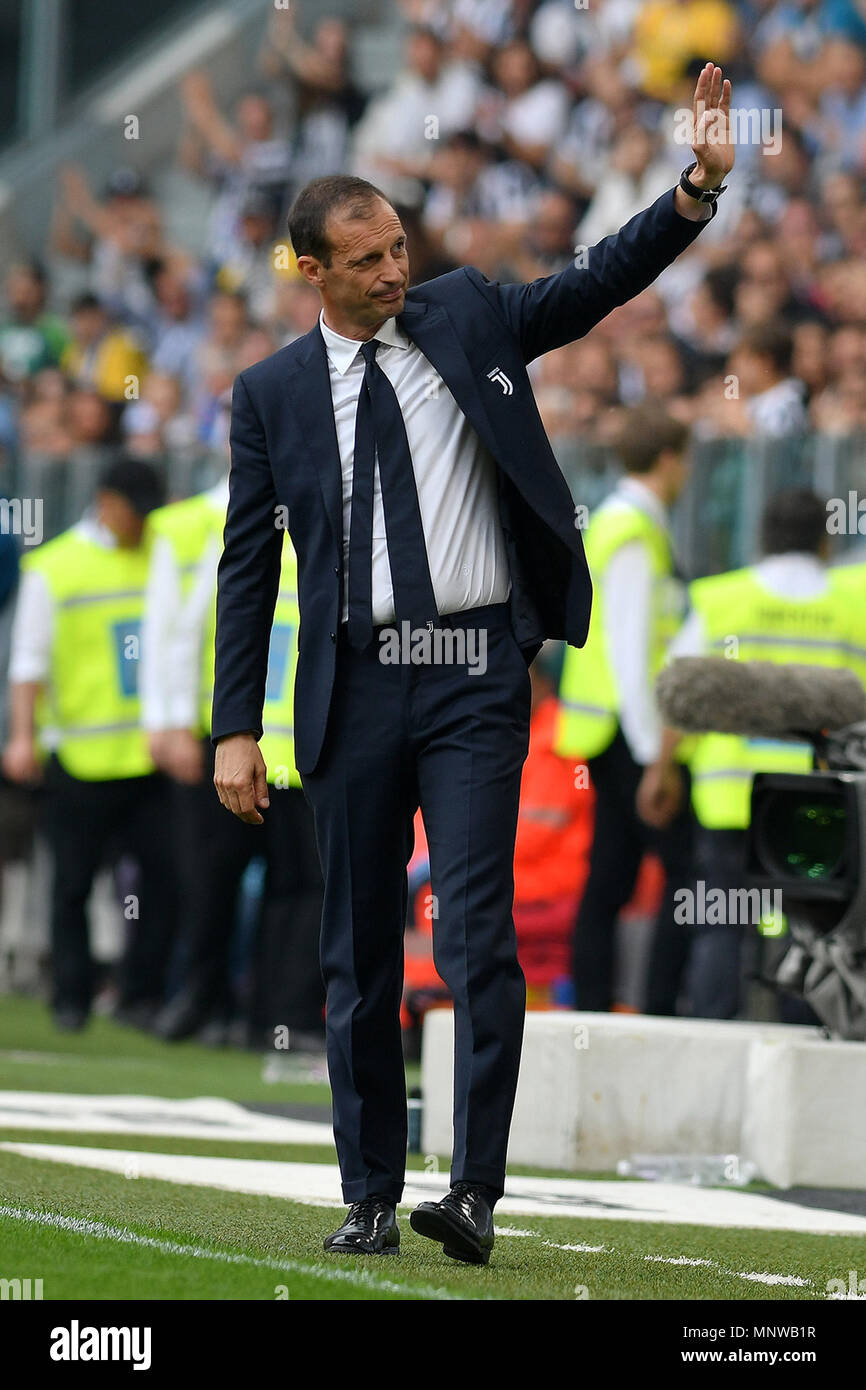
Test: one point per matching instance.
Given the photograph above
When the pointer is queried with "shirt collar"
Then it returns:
(93, 530)
(632, 490)
(343, 351)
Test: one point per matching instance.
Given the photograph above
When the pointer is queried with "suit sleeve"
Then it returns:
(248, 577)
(557, 309)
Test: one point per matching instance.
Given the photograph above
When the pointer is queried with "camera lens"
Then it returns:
(804, 837)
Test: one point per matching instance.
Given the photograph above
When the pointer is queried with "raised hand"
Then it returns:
(712, 145)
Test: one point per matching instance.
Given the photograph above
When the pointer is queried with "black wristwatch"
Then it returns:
(702, 195)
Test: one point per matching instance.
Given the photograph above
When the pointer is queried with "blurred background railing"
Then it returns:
(716, 520)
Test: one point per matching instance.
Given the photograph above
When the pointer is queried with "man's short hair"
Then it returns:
(316, 201)
(794, 519)
(771, 340)
(86, 303)
(139, 481)
(647, 431)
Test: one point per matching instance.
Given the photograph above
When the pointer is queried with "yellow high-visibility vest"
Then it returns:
(744, 620)
(193, 527)
(91, 700)
(589, 699)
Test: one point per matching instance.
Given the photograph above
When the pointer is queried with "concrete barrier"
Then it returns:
(804, 1122)
(596, 1088)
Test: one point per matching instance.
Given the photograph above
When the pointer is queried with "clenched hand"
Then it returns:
(240, 777)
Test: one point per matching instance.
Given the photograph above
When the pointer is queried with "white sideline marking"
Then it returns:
(205, 1117)
(100, 1231)
(678, 1260)
(582, 1249)
(790, 1279)
(319, 1184)
(774, 1278)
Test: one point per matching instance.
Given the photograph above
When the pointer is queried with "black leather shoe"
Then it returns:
(70, 1020)
(181, 1017)
(462, 1221)
(369, 1229)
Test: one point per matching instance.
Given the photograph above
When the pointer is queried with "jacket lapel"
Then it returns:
(429, 326)
(432, 329)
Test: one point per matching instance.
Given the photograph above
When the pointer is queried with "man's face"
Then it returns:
(125, 524)
(88, 326)
(673, 466)
(367, 279)
(25, 295)
(424, 56)
(553, 228)
(254, 117)
(227, 319)
(753, 372)
(172, 295)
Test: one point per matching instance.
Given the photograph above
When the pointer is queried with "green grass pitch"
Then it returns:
(94, 1235)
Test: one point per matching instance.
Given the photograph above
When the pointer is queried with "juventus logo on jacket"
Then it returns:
(502, 380)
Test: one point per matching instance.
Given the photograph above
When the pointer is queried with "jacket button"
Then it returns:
(333, 636)
(336, 569)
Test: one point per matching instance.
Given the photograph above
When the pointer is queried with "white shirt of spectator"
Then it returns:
(778, 410)
(398, 124)
(33, 623)
(618, 197)
(627, 606)
(491, 20)
(173, 630)
(538, 116)
(455, 475)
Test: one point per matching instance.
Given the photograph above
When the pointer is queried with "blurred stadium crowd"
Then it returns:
(513, 134)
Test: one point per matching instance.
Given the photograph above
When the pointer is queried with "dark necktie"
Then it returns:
(380, 428)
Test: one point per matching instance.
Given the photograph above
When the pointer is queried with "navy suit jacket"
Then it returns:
(284, 454)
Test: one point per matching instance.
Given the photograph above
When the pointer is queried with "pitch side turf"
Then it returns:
(107, 1235)
(92, 1235)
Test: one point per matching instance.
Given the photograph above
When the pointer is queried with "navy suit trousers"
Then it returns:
(451, 737)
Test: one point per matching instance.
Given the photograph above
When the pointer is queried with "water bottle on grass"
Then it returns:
(693, 1170)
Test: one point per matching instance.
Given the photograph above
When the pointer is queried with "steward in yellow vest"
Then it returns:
(178, 688)
(74, 694)
(608, 722)
(181, 626)
(591, 693)
(788, 607)
(742, 617)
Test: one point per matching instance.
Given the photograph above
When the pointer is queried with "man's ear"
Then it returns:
(311, 269)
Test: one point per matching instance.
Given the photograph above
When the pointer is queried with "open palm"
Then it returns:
(711, 110)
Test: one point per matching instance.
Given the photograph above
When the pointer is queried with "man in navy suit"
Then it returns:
(437, 549)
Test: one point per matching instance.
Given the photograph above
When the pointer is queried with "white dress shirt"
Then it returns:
(455, 475)
(173, 628)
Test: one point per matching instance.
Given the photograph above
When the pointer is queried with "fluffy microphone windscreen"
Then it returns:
(761, 699)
